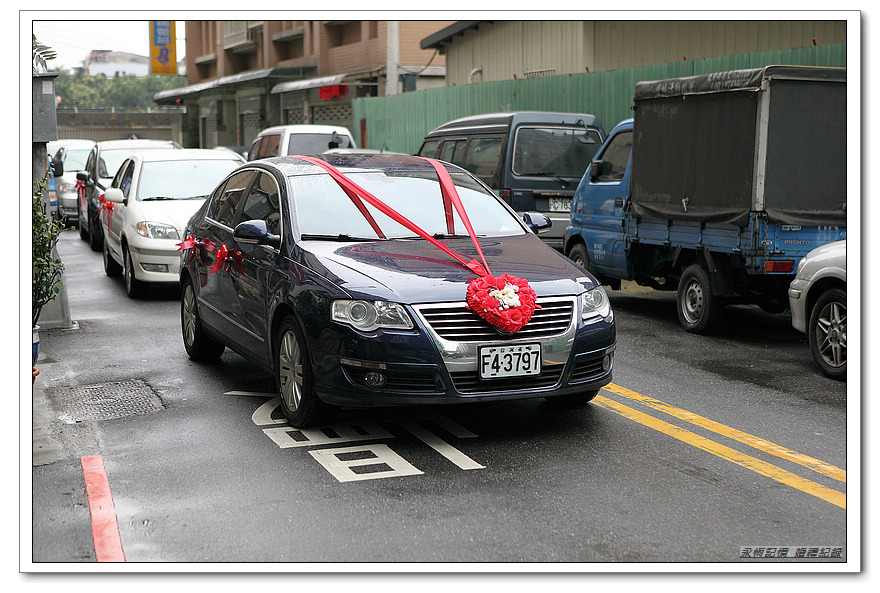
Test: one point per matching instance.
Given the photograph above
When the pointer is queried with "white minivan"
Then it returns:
(299, 139)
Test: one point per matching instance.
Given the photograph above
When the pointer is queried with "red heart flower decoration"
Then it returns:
(507, 302)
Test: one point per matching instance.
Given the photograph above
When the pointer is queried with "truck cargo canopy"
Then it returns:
(716, 147)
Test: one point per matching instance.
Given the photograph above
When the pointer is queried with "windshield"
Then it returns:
(181, 180)
(323, 209)
(75, 160)
(315, 143)
(554, 151)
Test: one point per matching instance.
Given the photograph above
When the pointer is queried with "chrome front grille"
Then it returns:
(456, 323)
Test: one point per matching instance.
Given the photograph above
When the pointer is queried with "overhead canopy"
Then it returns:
(310, 83)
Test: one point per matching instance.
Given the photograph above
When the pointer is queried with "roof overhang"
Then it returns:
(441, 38)
(172, 95)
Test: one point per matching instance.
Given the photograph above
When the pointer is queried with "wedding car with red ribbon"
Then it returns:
(362, 279)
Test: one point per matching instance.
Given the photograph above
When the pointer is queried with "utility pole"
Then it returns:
(392, 68)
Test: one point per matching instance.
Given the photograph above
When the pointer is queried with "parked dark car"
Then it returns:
(533, 159)
(101, 166)
(346, 303)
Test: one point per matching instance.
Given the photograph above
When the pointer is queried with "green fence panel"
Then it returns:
(399, 123)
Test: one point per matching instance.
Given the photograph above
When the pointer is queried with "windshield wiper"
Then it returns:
(445, 236)
(342, 237)
(156, 198)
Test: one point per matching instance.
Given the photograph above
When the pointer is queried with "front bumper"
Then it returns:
(424, 368)
(797, 302)
(155, 260)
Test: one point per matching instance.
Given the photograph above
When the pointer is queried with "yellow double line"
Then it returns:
(724, 452)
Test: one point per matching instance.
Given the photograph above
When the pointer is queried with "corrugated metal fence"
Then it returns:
(399, 123)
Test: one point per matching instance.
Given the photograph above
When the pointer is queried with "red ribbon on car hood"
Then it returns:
(506, 302)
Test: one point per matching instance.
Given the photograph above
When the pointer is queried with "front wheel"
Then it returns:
(96, 235)
(134, 288)
(198, 345)
(111, 268)
(293, 376)
(699, 311)
(827, 333)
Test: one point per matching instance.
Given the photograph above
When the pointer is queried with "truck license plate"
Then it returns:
(560, 204)
(509, 361)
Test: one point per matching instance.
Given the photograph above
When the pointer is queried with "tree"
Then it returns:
(120, 92)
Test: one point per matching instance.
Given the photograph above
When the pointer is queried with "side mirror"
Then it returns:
(83, 176)
(255, 232)
(57, 167)
(115, 195)
(598, 169)
(537, 222)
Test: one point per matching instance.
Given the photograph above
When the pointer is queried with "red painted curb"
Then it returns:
(105, 530)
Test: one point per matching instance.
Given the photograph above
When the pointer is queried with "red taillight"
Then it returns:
(785, 266)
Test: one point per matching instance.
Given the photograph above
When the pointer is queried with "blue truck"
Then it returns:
(716, 188)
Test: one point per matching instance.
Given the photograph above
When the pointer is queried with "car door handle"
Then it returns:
(618, 202)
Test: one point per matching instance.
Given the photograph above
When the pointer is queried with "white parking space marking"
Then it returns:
(364, 462)
(286, 436)
(360, 462)
(441, 446)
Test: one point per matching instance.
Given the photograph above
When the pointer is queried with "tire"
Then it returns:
(578, 254)
(699, 311)
(111, 268)
(293, 377)
(134, 288)
(827, 333)
(96, 235)
(197, 344)
(83, 224)
(573, 400)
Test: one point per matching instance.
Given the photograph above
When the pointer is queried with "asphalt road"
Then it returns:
(702, 449)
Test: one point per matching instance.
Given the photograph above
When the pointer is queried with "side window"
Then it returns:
(616, 155)
(90, 162)
(483, 156)
(270, 146)
(123, 178)
(453, 151)
(430, 149)
(256, 147)
(223, 205)
(262, 203)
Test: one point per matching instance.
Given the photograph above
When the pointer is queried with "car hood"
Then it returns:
(174, 212)
(415, 271)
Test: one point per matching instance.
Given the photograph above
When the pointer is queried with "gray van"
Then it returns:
(533, 160)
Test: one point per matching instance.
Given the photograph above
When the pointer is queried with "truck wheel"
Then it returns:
(579, 255)
(827, 333)
(699, 311)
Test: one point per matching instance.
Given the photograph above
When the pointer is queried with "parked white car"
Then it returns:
(817, 298)
(299, 139)
(147, 206)
(73, 154)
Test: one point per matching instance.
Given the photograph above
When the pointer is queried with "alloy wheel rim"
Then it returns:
(189, 316)
(831, 334)
(290, 371)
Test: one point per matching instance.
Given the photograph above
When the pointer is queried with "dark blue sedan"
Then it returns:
(350, 278)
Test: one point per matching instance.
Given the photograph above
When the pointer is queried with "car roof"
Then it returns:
(185, 154)
(485, 121)
(133, 144)
(305, 129)
(350, 163)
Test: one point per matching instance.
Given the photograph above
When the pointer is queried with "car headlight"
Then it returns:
(595, 303)
(157, 230)
(67, 188)
(370, 315)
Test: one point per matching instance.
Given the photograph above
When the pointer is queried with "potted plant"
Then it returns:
(47, 269)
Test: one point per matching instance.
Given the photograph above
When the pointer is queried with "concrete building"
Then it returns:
(244, 76)
(115, 63)
(487, 51)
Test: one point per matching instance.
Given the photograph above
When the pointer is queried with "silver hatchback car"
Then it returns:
(817, 298)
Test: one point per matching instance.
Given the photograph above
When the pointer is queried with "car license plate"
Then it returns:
(509, 361)
(560, 204)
